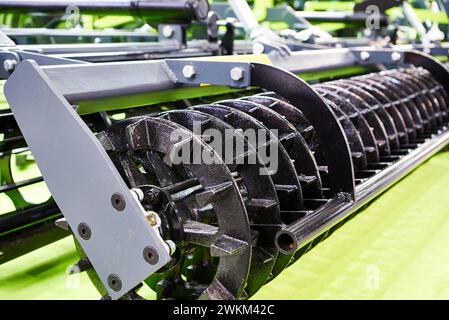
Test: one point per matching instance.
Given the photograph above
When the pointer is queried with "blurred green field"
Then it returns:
(395, 249)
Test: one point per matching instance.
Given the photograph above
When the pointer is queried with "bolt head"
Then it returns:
(150, 255)
(84, 231)
(395, 56)
(153, 219)
(237, 74)
(364, 55)
(138, 194)
(167, 31)
(118, 202)
(9, 65)
(114, 282)
(258, 48)
(189, 71)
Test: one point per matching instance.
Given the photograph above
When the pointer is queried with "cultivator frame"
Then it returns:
(59, 95)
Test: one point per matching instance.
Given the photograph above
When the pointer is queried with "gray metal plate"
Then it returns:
(82, 179)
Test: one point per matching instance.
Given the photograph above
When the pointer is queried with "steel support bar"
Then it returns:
(93, 87)
(59, 33)
(311, 61)
(352, 17)
(175, 11)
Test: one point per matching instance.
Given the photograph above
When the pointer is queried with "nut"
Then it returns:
(395, 56)
(189, 71)
(152, 218)
(167, 31)
(9, 65)
(364, 55)
(237, 74)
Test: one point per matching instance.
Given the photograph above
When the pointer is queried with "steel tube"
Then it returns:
(174, 11)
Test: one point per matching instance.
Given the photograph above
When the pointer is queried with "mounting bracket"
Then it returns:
(85, 183)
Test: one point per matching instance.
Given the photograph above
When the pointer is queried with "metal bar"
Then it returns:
(175, 11)
(79, 83)
(33, 215)
(311, 61)
(5, 41)
(11, 186)
(33, 238)
(353, 17)
(59, 33)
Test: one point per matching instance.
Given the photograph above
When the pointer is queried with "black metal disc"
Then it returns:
(375, 105)
(409, 112)
(359, 121)
(301, 155)
(371, 117)
(285, 179)
(256, 187)
(425, 90)
(144, 140)
(390, 107)
(425, 107)
(407, 96)
(296, 117)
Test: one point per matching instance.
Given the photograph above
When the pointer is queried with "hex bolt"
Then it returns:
(114, 282)
(237, 74)
(167, 31)
(189, 71)
(172, 246)
(118, 201)
(150, 255)
(364, 55)
(9, 65)
(152, 196)
(258, 48)
(152, 218)
(396, 56)
(84, 231)
(138, 194)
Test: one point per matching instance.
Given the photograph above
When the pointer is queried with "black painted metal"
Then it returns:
(174, 11)
(300, 154)
(255, 185)
(327, 126)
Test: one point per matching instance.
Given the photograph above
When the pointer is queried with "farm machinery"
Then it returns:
(193, 168)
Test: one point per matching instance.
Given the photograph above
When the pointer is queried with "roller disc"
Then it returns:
(255, 185)
(390, 107)
(371, 117)
(374, 104)
(424, 105)
(200, 206)
(295, 116)
(359, 121)
(409, 112)
(407, 97)
(301, 155)
(286, 183)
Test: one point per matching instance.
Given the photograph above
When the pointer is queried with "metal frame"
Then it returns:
(75, 155)
(82, 180)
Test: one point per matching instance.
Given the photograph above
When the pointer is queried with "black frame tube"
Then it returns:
(163, 11)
